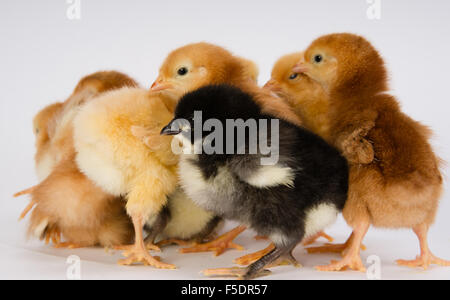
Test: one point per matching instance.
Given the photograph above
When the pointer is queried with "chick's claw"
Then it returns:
(251, 258)
(174, 242)
(285, 260)
(331, 248)
(327, 248)
(424, 261)
(353, 262)
(314, 238)
(219, 245)
(137, 255)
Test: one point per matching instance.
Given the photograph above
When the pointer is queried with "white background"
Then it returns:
(43, 54)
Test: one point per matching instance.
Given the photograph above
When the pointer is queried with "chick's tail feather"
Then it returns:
(25, 192)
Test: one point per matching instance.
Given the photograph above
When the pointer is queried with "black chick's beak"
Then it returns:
(171, 129)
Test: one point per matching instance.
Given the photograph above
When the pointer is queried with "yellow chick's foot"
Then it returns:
(174, 242)
(233, 272)
(313, 239)
(424, 261)
(261, 238)
(138, 252)
(137, 255)
(219, 245)
(251, 258)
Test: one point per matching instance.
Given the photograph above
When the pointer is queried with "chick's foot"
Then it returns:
(251, 258)
(352, 262)
(314, 238)
(285, 260)
(138, 252)
(219, 245)
(137, 255)
(174, 242)
(352, 247)
(149, 247)
(424, 261)
(426, 258)
(333, 248)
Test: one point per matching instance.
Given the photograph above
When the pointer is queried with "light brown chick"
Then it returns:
(306, 97)
(44, 127)
(395, 181)
(196, 65)
(67, 202)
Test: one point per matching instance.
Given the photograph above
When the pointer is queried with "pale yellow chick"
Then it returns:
(118, 162)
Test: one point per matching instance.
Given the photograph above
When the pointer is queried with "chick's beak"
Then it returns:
(300, 68)
(171, 129)
(160, 85)
(271, 85)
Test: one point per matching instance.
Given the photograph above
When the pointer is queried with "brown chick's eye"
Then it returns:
(318, 58)
(293, 76)
(182, 71)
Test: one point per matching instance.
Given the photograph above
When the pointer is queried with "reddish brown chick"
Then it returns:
(395, 181)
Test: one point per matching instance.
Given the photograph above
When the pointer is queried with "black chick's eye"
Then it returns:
(318, 58)
(182, 71)
(293, 76)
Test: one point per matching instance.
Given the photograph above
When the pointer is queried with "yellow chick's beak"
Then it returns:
(300, 68)
(160, 85)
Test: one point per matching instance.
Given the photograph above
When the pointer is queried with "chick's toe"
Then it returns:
(219, 245)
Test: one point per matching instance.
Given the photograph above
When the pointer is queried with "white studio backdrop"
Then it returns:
(48, 45)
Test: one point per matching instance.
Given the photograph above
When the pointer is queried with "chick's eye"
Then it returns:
(318, 58)
(36, 131)
(182, 71)
(293, 76)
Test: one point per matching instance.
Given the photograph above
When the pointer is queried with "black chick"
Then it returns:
(288, 193)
